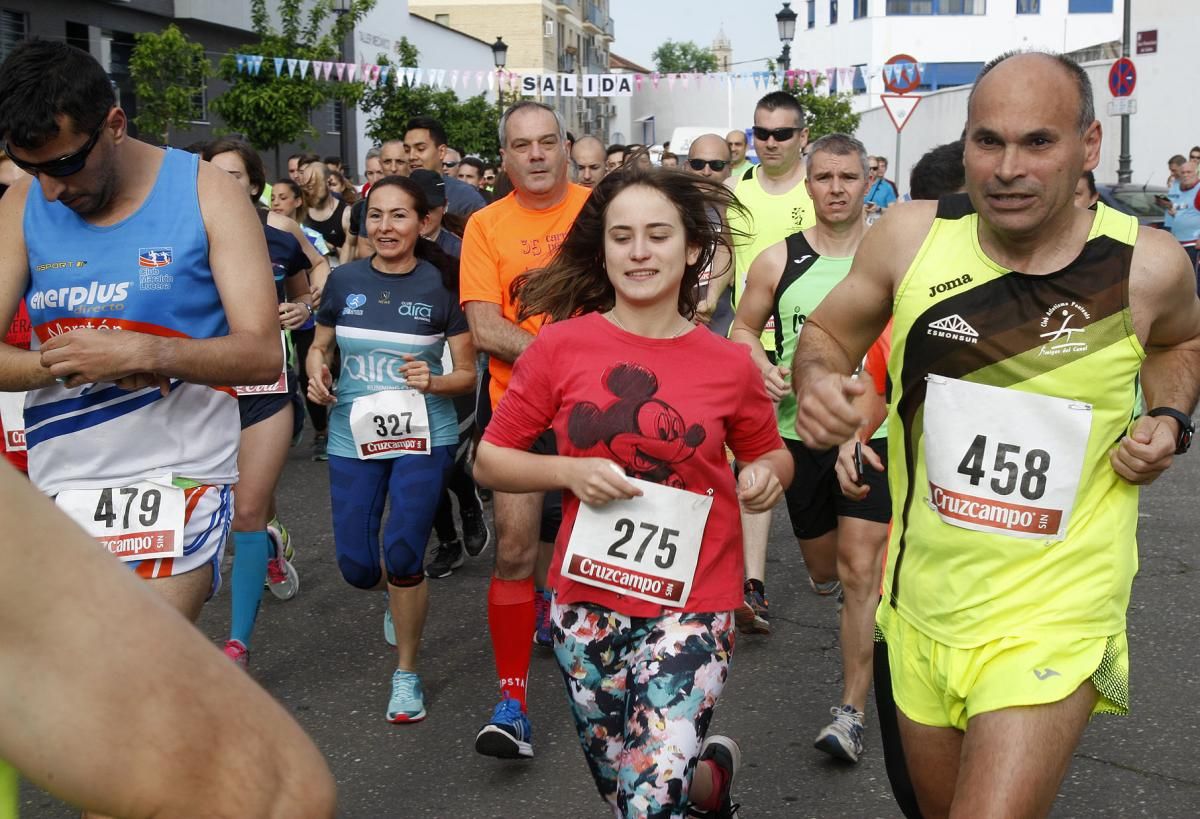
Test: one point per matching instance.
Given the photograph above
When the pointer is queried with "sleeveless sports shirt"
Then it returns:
(8, 791)
(148, 273)
(806, 281)
(985, 561)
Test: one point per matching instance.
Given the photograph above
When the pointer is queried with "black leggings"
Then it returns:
(460, 481)
(303, 340)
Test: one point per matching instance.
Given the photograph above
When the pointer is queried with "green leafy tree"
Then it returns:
(683, 58)
(271, 110)
(168, 74)
(827, 114)
(470, 124)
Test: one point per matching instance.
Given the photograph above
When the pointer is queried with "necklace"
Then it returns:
(612, 316)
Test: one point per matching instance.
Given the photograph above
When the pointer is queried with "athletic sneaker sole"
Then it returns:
(496, 742)
(288, 588)
(748, 622)
(405, 719)
(830, 744)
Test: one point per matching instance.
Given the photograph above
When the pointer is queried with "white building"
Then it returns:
(1165, 123)
(951, 38)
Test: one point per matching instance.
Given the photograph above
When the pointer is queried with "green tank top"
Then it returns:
(1008, 518)
(806, 281)
(8, 791)
(769, 218)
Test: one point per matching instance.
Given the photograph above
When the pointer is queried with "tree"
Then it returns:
(826, 114)
(168, 73)
(271, 110)
(470, 124)
(683, 58)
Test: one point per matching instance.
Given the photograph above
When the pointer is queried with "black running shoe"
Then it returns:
(446, 558)
(476, 535)
(727, 755)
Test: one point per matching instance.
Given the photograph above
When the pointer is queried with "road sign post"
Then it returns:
(1123, 78)
(901, 76)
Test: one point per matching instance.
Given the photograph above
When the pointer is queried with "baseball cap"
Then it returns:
(432, 185)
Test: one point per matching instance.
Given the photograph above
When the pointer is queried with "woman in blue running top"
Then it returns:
(393, 429)
(261, 548)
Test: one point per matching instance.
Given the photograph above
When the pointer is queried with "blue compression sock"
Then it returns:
(251, 551)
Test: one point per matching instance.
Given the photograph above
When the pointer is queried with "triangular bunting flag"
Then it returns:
(292, 64)
(454, 78)
(381, 73)
(279, 66)
(351, 70)
(241, 62)
(256, 65)
(341, 71)
(441, 77)
(479, 79)
(304, 64)
(654, 79)
(416, 76)
(491, 81)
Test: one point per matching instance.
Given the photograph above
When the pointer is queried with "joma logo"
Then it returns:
(945, 287)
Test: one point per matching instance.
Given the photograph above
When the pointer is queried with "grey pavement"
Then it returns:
(323, 655)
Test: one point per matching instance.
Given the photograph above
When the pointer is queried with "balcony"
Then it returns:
(567, 6)
(594, 18)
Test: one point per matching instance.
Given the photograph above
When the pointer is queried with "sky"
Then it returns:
(642, 25)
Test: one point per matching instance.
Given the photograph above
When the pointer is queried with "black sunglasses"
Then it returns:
(64, 165)
(716, 164)
(449, 164)
(780, 134)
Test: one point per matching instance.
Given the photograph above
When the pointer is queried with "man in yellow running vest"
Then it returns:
(1022, 325)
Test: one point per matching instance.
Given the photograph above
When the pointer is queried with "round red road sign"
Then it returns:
(905, 78)
(1122, 78)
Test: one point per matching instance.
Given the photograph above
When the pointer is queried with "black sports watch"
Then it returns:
(1186, 427)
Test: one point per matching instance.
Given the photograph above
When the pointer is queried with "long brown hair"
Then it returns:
(576, 281)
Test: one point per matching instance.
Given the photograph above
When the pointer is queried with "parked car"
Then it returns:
(1147, 202)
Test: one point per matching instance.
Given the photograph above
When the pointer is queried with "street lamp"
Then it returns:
(500, 58)
(785, 18)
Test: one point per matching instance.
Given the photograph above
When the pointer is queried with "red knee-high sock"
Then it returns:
(511, 621)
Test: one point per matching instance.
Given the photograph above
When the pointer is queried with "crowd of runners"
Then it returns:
(955, 399)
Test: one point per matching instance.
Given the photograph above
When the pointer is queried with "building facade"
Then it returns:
(107, 30)
(547, 36)
(952, 38)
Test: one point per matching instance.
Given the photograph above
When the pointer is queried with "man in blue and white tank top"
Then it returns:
(133, 263)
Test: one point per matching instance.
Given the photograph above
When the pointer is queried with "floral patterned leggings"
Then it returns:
(642, 691)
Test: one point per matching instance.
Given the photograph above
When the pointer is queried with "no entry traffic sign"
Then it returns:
(1122, 78)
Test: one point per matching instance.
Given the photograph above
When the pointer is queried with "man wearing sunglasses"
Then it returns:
(709, 156)
(141, 270)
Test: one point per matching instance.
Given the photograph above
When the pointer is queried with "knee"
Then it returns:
(250, 513)
(359, 575)
(515, 559)
(405, 581)
(859, 572)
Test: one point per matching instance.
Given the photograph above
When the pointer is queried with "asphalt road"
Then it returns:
(323, 655)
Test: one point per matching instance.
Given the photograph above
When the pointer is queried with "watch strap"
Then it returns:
(1186, 426)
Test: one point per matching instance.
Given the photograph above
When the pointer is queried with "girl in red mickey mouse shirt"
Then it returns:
(648, 561)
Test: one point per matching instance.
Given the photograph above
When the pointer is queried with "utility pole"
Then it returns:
(1124, 169)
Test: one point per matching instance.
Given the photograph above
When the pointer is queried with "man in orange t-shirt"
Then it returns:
(520, 232)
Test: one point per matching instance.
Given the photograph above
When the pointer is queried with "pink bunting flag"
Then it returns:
(637, 80)
(341, 71)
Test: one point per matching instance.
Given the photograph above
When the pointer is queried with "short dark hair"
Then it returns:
(614, 149)
(42, 80)
(436, 132)
(838, 145)
(1083, 85)
(938, 173)
(1178, 159)
(777, 100)
(1195, 148)
(474, 162)
(250, 160)
(332, 160)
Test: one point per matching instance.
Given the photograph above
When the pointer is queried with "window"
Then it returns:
(902, 7)
(1090, 7)
(13, 29)
(200, 102)
(336, 115)
(832, 12)
(812, 13)
(1029, 6)
(442, 19)
(860, 9)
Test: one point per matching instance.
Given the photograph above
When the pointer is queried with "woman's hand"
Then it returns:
(416, 373)
(596, 481)
(320, 386)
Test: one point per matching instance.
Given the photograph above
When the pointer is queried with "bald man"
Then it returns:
(587, 157)
(736, 141)
(708, 156)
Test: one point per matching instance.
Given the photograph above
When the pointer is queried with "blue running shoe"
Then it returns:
(389, 627)
(842, 738)
(408, 698)
(508, 735)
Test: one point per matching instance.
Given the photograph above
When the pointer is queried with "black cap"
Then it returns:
(432, 185)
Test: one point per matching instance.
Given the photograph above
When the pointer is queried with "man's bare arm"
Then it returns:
(753, 312)
(842, 328)
(149, 693)
(19, 369)
(1166, 315)
(494, 334)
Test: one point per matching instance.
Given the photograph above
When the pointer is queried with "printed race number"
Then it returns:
(12, 418)
(645, 547)
(666, 547)
(390, 423)
(1032, 481)
(1002, 460)
(137, 522)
